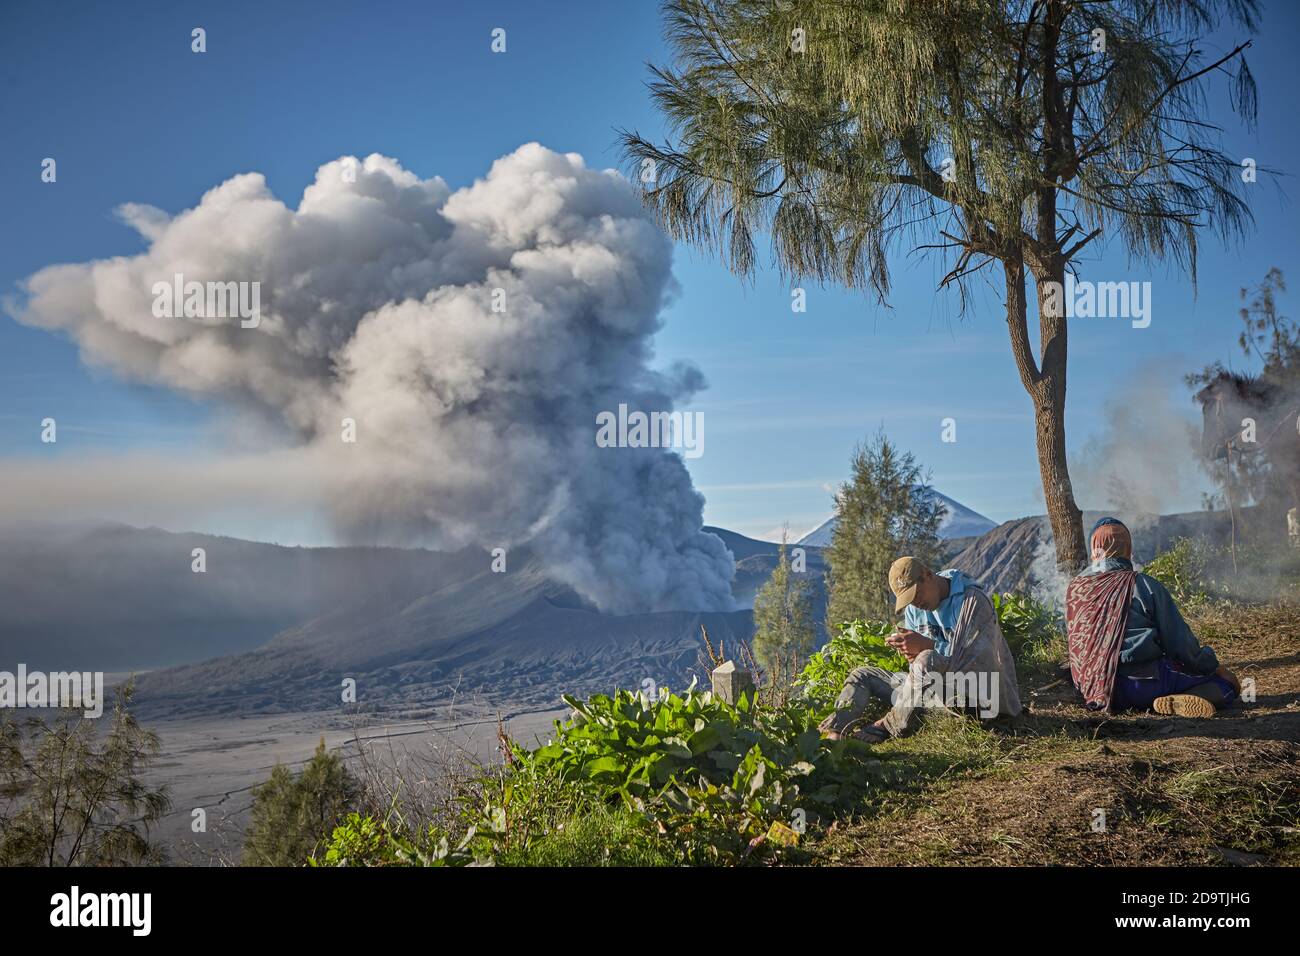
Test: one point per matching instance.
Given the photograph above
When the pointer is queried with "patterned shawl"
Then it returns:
(1096, 614)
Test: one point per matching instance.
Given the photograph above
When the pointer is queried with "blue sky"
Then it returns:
(113, 92)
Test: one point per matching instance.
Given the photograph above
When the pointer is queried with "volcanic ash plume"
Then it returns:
(472, 337)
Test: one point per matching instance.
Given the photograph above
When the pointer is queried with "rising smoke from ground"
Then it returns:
(1144, 462)
(473, 426)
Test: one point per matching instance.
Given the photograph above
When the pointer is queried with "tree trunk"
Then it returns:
(1066, 518)
(1046, 387)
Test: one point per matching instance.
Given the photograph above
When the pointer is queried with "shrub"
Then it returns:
(859, 643)
(1199, 574)
(719, 778)
(633, 780)
(784, 633)
(604, 836)
(1028, 625)
(72, 794)
(522, 803)
(1185, 570)
(599, 836)
(364, 841)
(292, 813)
(885, 509)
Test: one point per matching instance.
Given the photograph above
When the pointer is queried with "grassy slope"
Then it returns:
(1176, 791)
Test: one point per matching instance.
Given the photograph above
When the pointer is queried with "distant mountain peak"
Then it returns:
(959, 522)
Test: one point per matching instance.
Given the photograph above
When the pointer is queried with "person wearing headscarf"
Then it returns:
(1130, 648)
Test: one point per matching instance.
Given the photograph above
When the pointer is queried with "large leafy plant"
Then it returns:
(859, 643)
(1026, 622)
(721, 778)
(363, 840)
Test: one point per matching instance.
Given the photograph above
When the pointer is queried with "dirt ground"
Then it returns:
(1068, 787)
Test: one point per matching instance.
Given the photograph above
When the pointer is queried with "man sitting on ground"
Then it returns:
(1130, 649)
(952, 642)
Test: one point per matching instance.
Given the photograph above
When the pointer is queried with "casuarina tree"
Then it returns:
(1006, 135)
(73, 793)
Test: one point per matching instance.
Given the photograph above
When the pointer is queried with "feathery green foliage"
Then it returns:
(784, 633)
(70, 796)
(836, 148)
(884, 511)
(292, 812)
(1006, 133)
(1261, 469)
(1266, 335)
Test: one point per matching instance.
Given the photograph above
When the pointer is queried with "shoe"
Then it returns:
(871, 734)
(1184, 705)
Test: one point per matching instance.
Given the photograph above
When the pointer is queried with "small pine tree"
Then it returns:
(292, 814)
(886, 510)
(784, 634)
(72, 796)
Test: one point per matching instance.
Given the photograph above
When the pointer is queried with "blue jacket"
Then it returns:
(938, 625)
(1155, 628)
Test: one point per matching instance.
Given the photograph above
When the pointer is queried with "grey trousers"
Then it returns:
(901, 690)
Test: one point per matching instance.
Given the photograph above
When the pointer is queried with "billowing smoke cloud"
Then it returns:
(472, 336)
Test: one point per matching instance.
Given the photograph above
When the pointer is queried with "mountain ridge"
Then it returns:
(959, 522)
(271, 629)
